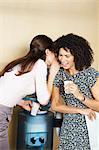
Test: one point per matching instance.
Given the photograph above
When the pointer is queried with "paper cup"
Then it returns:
(66, 85)
(35, 108)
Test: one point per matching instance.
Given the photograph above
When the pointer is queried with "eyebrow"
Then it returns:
(65, 54)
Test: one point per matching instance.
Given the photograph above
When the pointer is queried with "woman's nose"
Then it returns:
(63, 58)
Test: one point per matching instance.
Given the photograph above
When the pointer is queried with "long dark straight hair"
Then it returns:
(38, 46)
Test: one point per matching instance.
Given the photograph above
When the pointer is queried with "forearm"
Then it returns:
(50, 83)
(25, 104)
(52, 73)
(91, 103)
(21, 103)
(62, 108)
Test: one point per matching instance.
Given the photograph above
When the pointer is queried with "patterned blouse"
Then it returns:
(84, 79)
(74, 132)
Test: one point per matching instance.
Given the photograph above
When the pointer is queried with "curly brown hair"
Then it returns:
(79, 48)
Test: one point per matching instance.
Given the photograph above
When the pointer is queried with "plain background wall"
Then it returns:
(98, 34)
(20, 20)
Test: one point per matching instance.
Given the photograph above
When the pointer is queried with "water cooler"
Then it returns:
(35, 132)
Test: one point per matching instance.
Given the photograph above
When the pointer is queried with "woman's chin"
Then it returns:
(65, 67)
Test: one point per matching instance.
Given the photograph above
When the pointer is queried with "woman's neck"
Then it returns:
(72, 71)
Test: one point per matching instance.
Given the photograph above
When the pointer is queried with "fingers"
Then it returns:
(30, 103)
(27, 105)
(72, 88)
(92, 115)
(68, 86)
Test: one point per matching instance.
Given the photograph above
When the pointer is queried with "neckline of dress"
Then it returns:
(79, 72)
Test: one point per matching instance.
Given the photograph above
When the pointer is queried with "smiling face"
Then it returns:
(66, 59)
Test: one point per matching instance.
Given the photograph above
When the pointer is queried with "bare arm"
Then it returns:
(44, 88)
(91, 103)
(52, 72)
(25, 104)
(62, 108)
(94, 103)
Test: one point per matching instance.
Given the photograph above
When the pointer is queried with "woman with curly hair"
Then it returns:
(78, 84)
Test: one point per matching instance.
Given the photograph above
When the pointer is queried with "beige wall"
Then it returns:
(20, 20)
(98, 33)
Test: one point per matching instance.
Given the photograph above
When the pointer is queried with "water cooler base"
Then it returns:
(35, 132)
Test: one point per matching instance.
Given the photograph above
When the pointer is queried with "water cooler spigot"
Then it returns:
(33, 140)
(41, 140)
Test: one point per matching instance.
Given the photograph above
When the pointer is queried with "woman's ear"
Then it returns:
(47, 51)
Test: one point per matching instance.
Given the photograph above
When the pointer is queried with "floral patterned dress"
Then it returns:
(74, 132)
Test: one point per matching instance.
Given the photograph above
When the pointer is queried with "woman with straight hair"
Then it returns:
(25, 76)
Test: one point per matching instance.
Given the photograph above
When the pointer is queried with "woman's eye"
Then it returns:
(67, 56)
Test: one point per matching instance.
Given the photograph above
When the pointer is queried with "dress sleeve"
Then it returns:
(92, 76)
(41, 83)
(97, 74)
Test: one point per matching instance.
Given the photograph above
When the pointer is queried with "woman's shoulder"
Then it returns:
(60, 73)
(40, 62)
(15, 69)
(40, 65)
(91, 74)
(91, 71)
